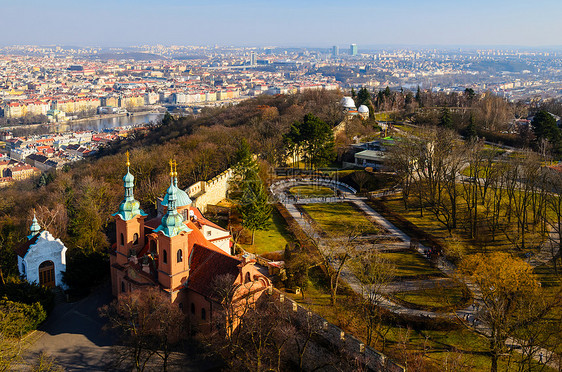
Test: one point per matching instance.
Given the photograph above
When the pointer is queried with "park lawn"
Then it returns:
(339, 219)
(432, 226)
(311, 191)
(411, 265)
(440, 346)
(436, 299)
(275, 238)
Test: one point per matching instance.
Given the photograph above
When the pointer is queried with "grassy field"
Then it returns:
(411, 265)
(457, 349)
(339, 218)
(483, 243)
(436, 299)
(311, 191)
(273, 239)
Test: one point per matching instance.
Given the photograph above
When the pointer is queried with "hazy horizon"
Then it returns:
(320, 24)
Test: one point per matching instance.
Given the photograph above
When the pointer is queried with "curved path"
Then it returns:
(469, 314)
(280, 190)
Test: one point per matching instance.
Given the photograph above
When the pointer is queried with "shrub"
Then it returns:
(17, 319)
(27, 293)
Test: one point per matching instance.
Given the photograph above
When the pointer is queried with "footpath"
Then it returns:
(470, 314)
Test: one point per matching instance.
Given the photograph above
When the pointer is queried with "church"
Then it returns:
(42, 259)
(179, 251)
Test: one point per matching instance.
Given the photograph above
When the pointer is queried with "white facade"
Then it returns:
(219, 237)
(45, 248)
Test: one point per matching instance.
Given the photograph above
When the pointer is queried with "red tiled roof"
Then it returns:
(206, 265)
(22, 249)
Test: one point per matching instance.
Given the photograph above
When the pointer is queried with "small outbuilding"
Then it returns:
(42, 259)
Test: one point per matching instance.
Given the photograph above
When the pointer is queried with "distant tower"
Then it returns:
(335, 51)
(253, 60)
(353, 49)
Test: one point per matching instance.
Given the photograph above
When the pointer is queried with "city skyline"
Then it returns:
(288, 23)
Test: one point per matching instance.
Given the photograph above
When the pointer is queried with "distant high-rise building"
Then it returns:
(253, 60)
(353, 49)
(335, 51)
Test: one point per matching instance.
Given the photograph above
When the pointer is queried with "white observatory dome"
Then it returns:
(347, 102)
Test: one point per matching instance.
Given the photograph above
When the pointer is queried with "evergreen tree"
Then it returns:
(471, 132)
(245, 165)
(167, 119)
(446, 120)
(470, 94)
(353, 93)
(363, 97)
(254, 206)
(313, 139)
(544, 127)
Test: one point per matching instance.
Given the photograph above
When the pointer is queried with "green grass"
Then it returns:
(411, 265)
(436, 347)
(311, 191)
(339, 219)
(436, 299)
(483, 243)
(275, 238)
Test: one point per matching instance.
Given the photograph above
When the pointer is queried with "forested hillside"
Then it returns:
(76, 205)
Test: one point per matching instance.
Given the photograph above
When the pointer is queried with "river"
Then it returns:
(95, 124)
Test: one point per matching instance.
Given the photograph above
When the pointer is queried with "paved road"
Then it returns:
(73, 334)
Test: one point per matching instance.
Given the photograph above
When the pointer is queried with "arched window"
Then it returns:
(180, 255)
(164, 256)
(203, 313)
(136, 238)
(192, 308)
(248, 278)
(122, 239)
(122, 286)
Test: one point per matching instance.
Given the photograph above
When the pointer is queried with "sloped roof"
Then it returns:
(22, 249)
(206, 265)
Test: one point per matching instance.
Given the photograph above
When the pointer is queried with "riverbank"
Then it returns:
(82, 120)
(97, 123)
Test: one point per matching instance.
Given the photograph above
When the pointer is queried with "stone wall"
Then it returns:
(331, 339)
(213, 191)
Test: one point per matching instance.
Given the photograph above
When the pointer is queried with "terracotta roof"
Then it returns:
(22, 249)
(206, 265)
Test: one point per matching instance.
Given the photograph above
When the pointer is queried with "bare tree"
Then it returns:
(374, 273)
(148, 324)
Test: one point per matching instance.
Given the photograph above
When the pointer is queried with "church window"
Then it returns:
(248, 278)
(203, 313)
(192, 308)
(122, 239)
(165, 256)
(209, 233)
(122, 286)
(136, 238)
(180, 255)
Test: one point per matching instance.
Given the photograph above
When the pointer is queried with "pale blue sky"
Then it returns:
(282, 23)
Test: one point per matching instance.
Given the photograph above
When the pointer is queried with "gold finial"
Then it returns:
(175, 169)
(171, 168)
(128, 162)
